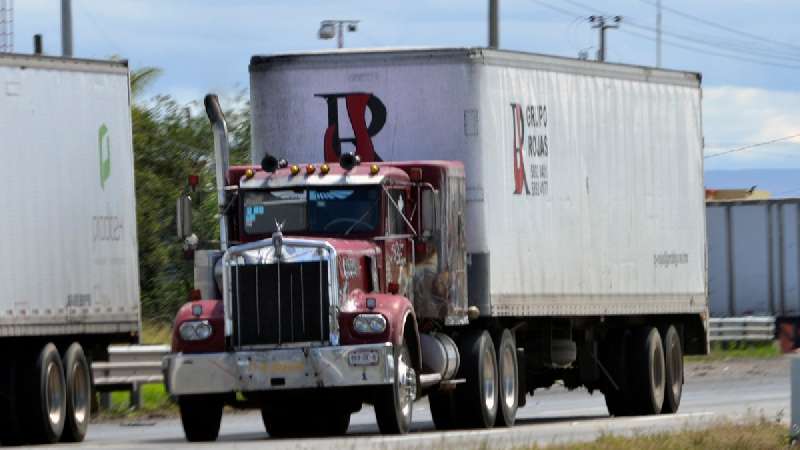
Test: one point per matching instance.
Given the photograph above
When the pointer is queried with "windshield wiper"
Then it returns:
(360, 220)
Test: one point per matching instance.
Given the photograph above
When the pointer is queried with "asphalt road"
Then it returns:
(713, 392)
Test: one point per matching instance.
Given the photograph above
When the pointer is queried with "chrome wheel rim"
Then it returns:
(658, 373)
(80, 393)
(509, 378)
(489, 372)
(406, 385)
(675, 370)
(55, 393)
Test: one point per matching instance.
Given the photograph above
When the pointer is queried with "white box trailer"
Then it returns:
(69, 262)
(584, 181)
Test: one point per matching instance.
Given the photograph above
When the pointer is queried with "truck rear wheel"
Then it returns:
(79, 386)
(647, 371)
(477, 399)
(673, 358)
(201, 416)
(394, 404)
(508, 379)
(45, 397)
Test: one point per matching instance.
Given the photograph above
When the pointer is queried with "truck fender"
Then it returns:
(210, 310)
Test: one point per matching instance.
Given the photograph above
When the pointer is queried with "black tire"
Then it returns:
(443, 409)
(394, 404)
(673, 359)
(79, 391)
(614, 357)
(201, 416)
(477, 399)
(11, 428)
(45, 407)
(507, 379)
(647, 374)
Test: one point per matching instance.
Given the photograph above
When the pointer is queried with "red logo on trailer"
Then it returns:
(520, 180)
(357, 104)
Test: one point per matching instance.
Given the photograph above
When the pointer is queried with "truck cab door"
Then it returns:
(396, 245)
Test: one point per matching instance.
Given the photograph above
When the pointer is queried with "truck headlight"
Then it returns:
(369, 323)
(195, 330)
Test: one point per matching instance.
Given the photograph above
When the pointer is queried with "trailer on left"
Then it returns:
(68, 259)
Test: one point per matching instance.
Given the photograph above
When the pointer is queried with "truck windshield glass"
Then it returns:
(324, 211)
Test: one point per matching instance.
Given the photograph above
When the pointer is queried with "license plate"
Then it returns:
(364, 358)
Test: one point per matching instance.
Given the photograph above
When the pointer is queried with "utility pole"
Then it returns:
(66, 28)
(658, 33)
(6, 26)
(600, 23)
(494, 24)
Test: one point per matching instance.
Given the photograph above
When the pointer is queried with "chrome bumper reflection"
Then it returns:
(274, 369)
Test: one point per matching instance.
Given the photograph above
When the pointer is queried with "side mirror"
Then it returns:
(183, 216)
(428, 213)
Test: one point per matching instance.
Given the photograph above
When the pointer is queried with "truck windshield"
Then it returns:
(324, 211)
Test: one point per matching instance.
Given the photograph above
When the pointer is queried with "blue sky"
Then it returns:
(204, 45)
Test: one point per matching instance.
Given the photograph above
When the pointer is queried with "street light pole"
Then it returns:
(328, 29)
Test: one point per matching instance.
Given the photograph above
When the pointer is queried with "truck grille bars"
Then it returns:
(280, 303)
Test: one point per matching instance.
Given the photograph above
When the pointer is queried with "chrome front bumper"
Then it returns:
(279, 369)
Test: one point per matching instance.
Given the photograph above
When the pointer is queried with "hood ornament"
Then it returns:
(277, 238)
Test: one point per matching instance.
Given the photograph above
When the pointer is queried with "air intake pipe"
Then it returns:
(221, 152)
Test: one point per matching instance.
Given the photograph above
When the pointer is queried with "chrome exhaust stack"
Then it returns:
(221, 152)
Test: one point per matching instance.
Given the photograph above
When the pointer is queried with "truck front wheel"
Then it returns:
(394, 404)
(201, 416)
(78, 394)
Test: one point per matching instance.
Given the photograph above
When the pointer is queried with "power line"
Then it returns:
(736, 31)
(741, 56)
(748, 147)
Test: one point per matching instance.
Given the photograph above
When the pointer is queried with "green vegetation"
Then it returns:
(156, 333)
(759, 435)
(172, 141)
(155, 402)
(759, 350)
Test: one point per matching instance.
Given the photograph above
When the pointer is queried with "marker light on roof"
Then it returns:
(249, 173)
(310, 169)
(295, 169)
(324, 169)
(374, 169)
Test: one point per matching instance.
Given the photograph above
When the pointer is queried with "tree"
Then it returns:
(172, 141)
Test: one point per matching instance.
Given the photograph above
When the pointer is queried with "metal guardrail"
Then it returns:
(741, 329)
(128, 367)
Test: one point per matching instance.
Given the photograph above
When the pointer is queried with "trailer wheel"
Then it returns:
(443, 409)
(79, 387)
(508, 379)
(673, 358)
(477, 399)
(647, 371)
(201, 416)
(614, 357)
(46, 394)
(394, 404)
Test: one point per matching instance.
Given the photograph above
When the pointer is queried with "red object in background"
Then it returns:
(195, 295)
(393, 288)
(788, 335)
(194, 180)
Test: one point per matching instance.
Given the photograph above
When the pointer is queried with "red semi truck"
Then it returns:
(466, 224)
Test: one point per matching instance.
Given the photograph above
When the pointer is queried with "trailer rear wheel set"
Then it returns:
(45, 395)
(645, 371)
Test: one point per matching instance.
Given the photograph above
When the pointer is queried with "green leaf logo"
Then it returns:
(104, 147)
